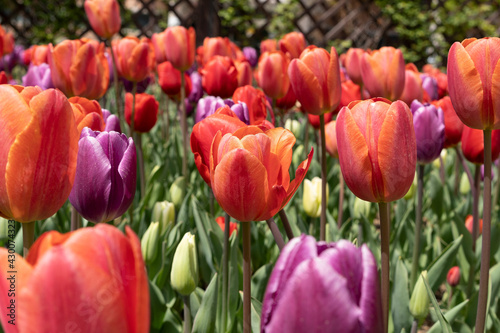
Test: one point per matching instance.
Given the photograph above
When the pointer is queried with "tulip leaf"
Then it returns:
(467, 240)
(401, 315)
(450, 315)
(205, 250)
(204, 321)
(172, 322)
(259, 280)
(495, 283)
(445, 326)
(255, 311)
(158, 307)
(438, 269)
(234, 280)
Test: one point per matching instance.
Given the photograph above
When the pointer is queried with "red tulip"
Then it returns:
(256, 102)
(288, 101)
(223, 120)
(377, 149)
(38, 152)
(315, 122)
(135, 58)
(413, 89)
(219, 77)
(79, 68)
(88, 113)
(37, 54)
(292, 44)
(350, 92)
(331, 139)
(474, 82)
(249, 172)
(89, 280)
(232, 225)
(104, 17)
(353, 64)
(271, 74)
(383, 72)
(6, 42)
(469, 220)
(453, 276)
(215, 46)
(315, 79)
(3, 78)
(453, 126)
(244, 72)
(146, 111)
(268, 45)
(169, 79)
(176, 45)
(473, 145)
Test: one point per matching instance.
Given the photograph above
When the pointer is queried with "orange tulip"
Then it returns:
(36, 55)
(176, 45)
(244, 70)
(453, 126)
(292, 44)
(104, 17)
(169, 79)
(219, 77)
(214, 46)
(6, 42)
(146, 111)
(268, 45)
(256, 102)
(469, 221)
(135, 58)
(88, 113)
(383, 72)
(38, 151)
(473, 144)
(331, 139)
(79, 68)
(413, 85)
(232, 225)
(377, 149)
(89, 280)
(474, 82)
(315, 79)
(353, 64)
(271, 74)
(249, 172)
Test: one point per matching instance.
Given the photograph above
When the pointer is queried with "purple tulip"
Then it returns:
(320, 287)
(38, 76)
(251, 55)
(196, 88)
(241, 110)
(430, 86)
(105, 176)
(428, 122)
(112, 121)
(12, 59)
(208, 105)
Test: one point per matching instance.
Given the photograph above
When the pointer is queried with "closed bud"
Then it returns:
(361, 208)
(464, 184)
(298, 154)
(177, 191)
(149, 242)
(184, 274)
(3, 229)
(453, 276)
(312, 196)
(293, 126)
(419, 301)
(436, 164)
(413, 188)
(163, 212)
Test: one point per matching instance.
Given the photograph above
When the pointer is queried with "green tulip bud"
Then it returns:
(413, 188)
(178, 191)
(419, 301)
(293, 126)
(163, 212)
(149, 242)
(298, 155)
(312, 196)
(3, 229)
(464, 184)
(361, 208)
(184, 274)
(437, 163)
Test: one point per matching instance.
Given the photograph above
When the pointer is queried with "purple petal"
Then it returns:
(251, 55)
(428, 123)
(128, 171)
(113, 124)
(370, 303)
(38, 76)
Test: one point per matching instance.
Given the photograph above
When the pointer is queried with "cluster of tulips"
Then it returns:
(73, 131)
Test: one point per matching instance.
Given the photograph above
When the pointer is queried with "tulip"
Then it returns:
(428, 122)
(473, 145)
(251, 55)
(87, 114)
(140, 86)
(453, 126)
(413, 89)
(9, 61)
(184, 274)
(376, 166)
(196, 87)
(440, 77)
(271, 74)
(79, 68)
(146, 111)
(256, 102)
(430, 86)
(3, 78)
(179, 46)
(223, 120)
(163, 212)
(268, 45)
(292, 44)
(315, 78)
(360, 208)
(38, 76)
(331, 139)
(39, 137)
(453, 276)
(293, 126)
(149, 242)
(214, 46)
(311, 199)
(468, 224)
(208, 105)
(178, 191)
(419, 301)
(37, 54)
(249, 172)
(134, 58)
(104, 17)
(169, 79)
(473, 82)
(244, 71)
(383, 72)
(94, 278)
(232, 225)
(311, 280)
(6, 42)
(353, 64)
(112, 122)
(288, 101)
(219, 77)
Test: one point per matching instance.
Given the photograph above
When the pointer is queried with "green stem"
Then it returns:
(441, 169)
(166, 120)
(276, 233)
(28, 236)
(476, 186)
(418, 225)
(132, 120)
(184, 130)
(306, 137)
(322, 232)
(384, 238)
(187, 314)
(286, 224)
(117, 87)
(485, 249)
(247, 276)
(457, 175)
(75, 219)
(341, 199)
(140, 160)
(464, 165)
(497, 188)
(225, 272)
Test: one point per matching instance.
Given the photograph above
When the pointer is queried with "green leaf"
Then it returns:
(450, 315)
(255, 311)
(438, 269)
(445, 326)
(259, 280)
(204, 321)
(234, 281)
(158, 307)
(401, 299)
(495, 282)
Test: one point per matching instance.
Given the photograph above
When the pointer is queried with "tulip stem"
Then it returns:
(476, 186)
(322, 232)
(497, 188)
(384, 238)
(75, 219)
(457, 175)
(441, 169)
(117, 87)
(140, 160)
(276, 233)
(286, 224)
(132, 120)
(187, 314)
(414, 326)
(341, 200)
(418, 225)
(247, 276)
(225, 272)
(485, 250)
(28, 236)
(184, 130)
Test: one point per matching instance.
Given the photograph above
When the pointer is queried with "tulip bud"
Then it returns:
(436, 164)
(293, 126)
(312, 196)
(361, 208)
(298, 154)
(184, 274)
(464, 184)
(469, 221)
(149, 242)
(419, 301)
(413, 188)
(453, 277)
(163, 212)
(177, 191)
(3, 229)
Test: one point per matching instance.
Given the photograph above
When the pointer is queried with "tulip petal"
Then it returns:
(282, 141)
(306, 87)
(371, 312)
(128, 174)
(44, 243)
(300, 173)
